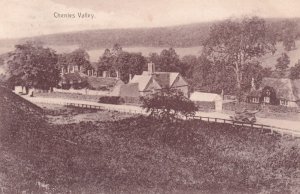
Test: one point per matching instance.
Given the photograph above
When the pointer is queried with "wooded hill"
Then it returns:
(175, 36)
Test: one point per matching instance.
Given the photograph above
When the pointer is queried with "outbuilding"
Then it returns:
(207, 101)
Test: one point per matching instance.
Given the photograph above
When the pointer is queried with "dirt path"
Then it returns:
(292, 125)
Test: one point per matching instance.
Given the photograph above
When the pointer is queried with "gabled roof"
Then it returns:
(142, 80)
(126, 90)
(285, 88)
(164, 79)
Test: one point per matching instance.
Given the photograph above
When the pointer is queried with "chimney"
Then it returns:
(130, 77)
(104, 73)
(118, 75)
(62, 71)
(151, 68)
(253, 84)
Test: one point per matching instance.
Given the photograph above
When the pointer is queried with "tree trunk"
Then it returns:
(239, 90)
(26, 90)
(238, 80)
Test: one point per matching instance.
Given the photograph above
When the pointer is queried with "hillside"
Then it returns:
(175, 36)
(141, 155)
(270, 60)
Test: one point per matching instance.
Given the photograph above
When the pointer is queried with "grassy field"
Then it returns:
(139, 155)
(270, 60)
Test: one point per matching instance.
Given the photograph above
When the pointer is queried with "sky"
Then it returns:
(25, 18)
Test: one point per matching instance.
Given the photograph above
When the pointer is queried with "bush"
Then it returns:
(111, 100)
(169, 104)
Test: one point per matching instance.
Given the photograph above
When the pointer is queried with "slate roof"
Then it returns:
(99, 82)
(142, 81)
(164, 79)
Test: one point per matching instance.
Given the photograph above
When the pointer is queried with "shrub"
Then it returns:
(111, 100)
(168, 104)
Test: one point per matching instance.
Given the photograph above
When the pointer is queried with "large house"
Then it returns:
(73, 77)
(275, 91)
(151, 81)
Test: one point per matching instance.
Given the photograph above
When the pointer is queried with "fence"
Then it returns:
(105, 108)
(273, 129)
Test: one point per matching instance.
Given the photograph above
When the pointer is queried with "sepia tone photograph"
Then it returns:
(150, 97)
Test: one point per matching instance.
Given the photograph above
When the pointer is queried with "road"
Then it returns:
(291, 125)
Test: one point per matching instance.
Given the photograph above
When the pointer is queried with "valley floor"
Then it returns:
(294, 126)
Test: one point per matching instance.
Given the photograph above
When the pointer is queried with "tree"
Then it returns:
(167, 60)
(116, 50)
(289, 31)
(105, 62)
(80, 58)
(33, 66)
(254, 71)
(124, 62)
(282, 64)
(168, 104)
(236, 44)
(189, 63)
(295, 71)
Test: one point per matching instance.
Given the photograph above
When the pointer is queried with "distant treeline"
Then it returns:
(176, 36)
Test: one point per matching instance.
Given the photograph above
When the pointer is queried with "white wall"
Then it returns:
(82, 91)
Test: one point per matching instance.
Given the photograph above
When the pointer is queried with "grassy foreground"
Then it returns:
(142, 155)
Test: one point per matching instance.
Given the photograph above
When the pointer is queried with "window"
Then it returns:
(283, 102)
(255, 100)
(267, 99)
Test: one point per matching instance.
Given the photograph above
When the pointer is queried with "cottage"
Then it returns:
(151, 81)
(275, 91)
(207, 100)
